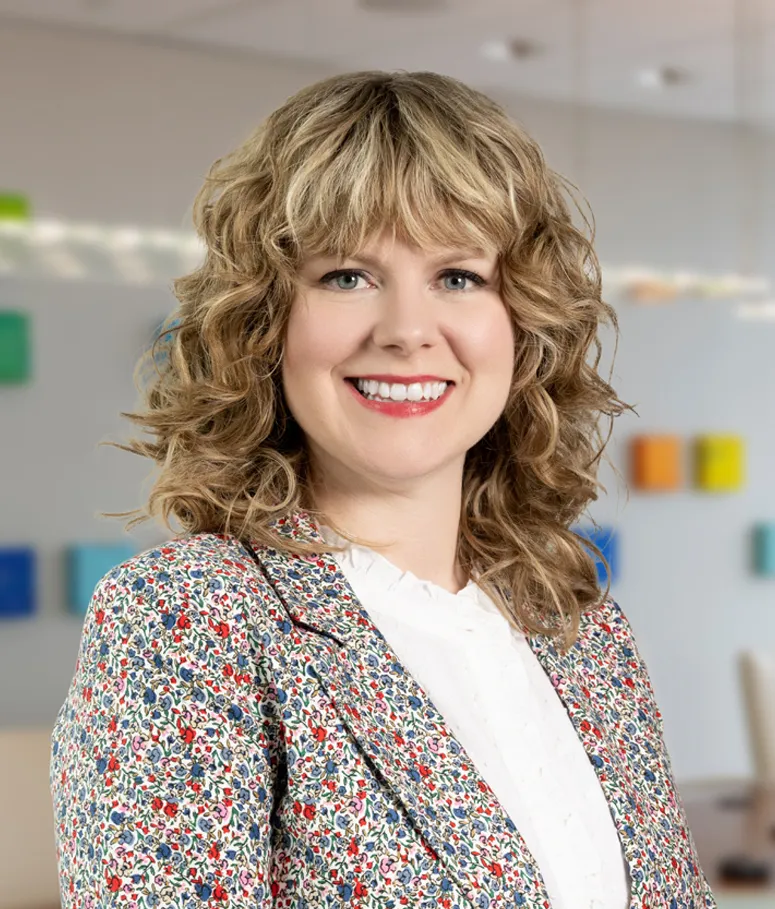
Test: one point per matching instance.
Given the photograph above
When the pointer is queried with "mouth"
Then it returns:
(398, 392)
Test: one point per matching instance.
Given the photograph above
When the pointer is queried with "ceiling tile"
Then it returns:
(622, 36)
(123, 15)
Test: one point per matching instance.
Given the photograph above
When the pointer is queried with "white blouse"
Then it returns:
(500, 705)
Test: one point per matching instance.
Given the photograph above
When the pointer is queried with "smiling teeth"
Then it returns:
(382, 391)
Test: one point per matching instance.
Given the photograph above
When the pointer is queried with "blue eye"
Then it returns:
(459, 273)
(346, 279)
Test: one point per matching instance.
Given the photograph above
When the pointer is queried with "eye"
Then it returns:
(343, 279)
(346, 279)
(459, 276)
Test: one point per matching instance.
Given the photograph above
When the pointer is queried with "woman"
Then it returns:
(376, 668)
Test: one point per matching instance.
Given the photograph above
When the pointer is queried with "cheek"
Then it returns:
(489, 344)
(312, 343)
(300, 338)
(317, 343)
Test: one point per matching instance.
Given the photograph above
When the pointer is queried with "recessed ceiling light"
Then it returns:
(521, 48)
(511, 49)
(662, 77)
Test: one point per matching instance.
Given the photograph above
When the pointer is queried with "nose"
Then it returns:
(407, 319)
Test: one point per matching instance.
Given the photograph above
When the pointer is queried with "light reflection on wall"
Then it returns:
(60, 250)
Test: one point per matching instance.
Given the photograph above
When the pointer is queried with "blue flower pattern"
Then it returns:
(238, 733)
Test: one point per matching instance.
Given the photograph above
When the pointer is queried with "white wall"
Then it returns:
(113, 131)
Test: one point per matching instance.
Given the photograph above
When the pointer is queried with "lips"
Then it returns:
(400, 409)
(356, 381)
(400, 380)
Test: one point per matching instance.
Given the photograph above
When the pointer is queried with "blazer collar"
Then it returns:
(415, 751)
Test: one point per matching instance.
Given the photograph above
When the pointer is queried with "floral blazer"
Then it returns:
(238, 733)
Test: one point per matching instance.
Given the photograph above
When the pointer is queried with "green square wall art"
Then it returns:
(14, 347)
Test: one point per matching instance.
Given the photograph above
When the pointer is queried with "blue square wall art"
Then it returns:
(86, 565)
(17, 582)
(607, 541)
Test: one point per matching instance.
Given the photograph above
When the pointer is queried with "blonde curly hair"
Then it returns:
(434, 162)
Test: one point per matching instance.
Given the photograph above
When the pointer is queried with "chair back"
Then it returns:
(757, 678)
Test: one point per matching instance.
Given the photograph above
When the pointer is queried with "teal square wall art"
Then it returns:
(86, 565)
(17, 582)
(15, 347)
(607, 541)
(764, 550)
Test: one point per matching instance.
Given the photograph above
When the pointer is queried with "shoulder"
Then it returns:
(194, 587)
(204, 562)
(607, 641)
(606, 637)
(188, 560)
(606, 624)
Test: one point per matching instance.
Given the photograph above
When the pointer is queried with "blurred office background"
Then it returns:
(663, 113)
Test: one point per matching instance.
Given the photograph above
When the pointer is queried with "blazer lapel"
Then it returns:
(407, 741)
(573, 678)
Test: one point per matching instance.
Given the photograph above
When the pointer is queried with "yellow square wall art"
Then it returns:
(719, 463)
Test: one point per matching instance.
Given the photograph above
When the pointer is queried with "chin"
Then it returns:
(402, 467)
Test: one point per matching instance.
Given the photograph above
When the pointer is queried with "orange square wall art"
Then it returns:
(656, 463)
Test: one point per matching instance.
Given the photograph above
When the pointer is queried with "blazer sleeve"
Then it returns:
(165, 751)
(645, 705)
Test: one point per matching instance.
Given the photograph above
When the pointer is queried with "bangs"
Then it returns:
(426, 188)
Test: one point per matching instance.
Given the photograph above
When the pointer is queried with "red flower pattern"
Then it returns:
(177, 735)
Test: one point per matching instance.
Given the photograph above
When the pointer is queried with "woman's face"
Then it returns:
(404, 320)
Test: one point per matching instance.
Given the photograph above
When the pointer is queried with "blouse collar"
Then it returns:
(378, 577)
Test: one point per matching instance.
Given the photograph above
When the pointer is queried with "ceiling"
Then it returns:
(590, 50)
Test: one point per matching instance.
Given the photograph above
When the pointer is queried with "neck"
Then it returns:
(417, 533)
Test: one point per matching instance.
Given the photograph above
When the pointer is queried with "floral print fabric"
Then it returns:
(238, 733)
